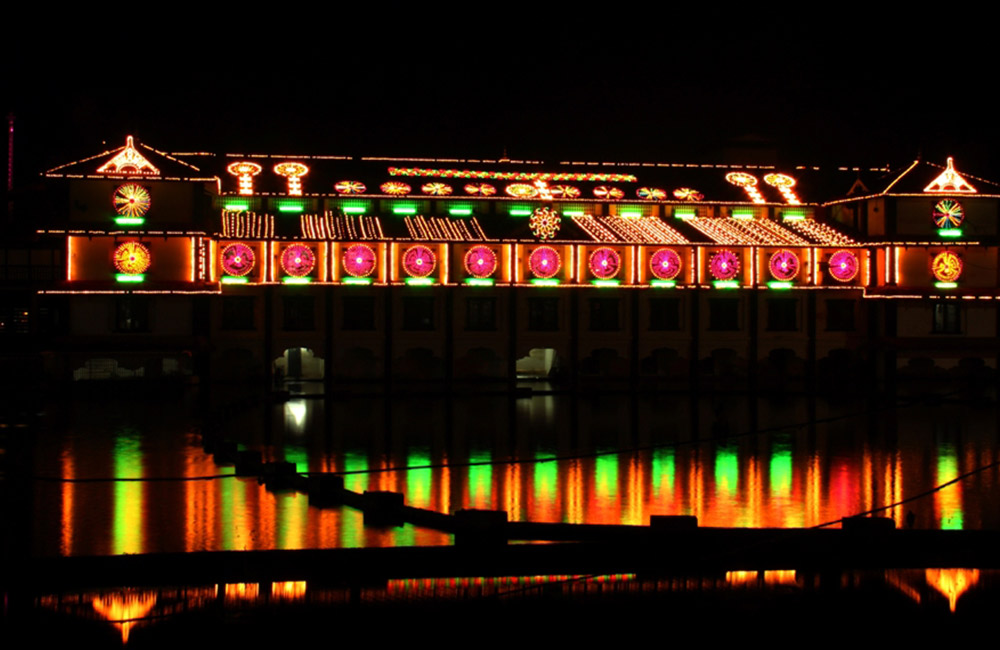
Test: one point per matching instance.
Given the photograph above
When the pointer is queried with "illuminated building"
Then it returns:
(361, 269)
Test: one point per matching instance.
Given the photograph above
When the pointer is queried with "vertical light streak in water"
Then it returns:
(753, 513)
(605, 509)
(227, 488)
(948, 501)
(867, 478)
(814, 491)
(351, 528)
(664, 471)
(127, 535)
(68, 501)
(545, 478)
(779, 473)
(419, 481)
(632, 513)
(512, 492)
(480, 480)
(894, 488)
(199, 503)
(444, 490)
(574, 513)
(727, 474)
(697, 489)
(292, 508)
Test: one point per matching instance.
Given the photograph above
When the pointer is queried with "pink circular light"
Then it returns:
(237, 260)
(843, 266)
(298, 260)
(544, 262)
(419, 261)
(359, 260)
(784, 265)
(665, 264)
(480, 261)
(724, 265)
(604, 263)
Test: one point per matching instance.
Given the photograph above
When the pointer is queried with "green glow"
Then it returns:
(790, 215)
(351, 209)
(129, 221)
(236, 207)
(781, 470)
(950, 498)
(231, 279)
(726, 284)
(288, 279)
(573, 213)
(460, 212)
(945, 285)
(419, 481)
(742, 214)
(545, 282)
(128, 277)
(419, 282)
(631, 213)
(949, 232)
(520, 212)
(664, 469)
(297, 454)
(353, 280)
(779, 284)
(606, 475)
(685, 213)
(290, 208)
(226, 509)
(354, 462)
(663, 284)
(479, 282)
(546, 479)
(480, 479)
(727, 469)
(127, 528)
(291, 514)
(605, 283)
(408, 209)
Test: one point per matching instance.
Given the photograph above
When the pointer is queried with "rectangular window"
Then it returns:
(418, 314)
(359, 313)
(300, 313)
(723, 314)
(543, 314)
(840, 316)
(131, 314)
(480, 314)
(237, 313)
(604, 314)
(664, 314)
(782, 314)
(947, 318)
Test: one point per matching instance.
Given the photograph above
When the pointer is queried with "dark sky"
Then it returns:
(695, 87)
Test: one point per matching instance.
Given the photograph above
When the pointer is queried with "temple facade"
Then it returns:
(355, 271)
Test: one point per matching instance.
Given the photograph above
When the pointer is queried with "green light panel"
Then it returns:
(950, 232)
(404, 209)
(946, 285)
(738, 213)
(793, 215)
(125, 277)
(353, 209)
(460, 212)
(545, 282)
(685, 213)
(779, 284)
(605, 283)
(520, 211)
(726, 284)
(236, 207)
(663, 284)
(419, 282)
(129, 221)
(353, 280)
(293, 280)
(229, 279)
(479, 282)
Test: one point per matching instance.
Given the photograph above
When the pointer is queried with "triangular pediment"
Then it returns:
(950, 182)
(128, 161)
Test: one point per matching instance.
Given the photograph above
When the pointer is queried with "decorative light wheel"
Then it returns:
(436, 189)
(544, 262)
(843, 266)
(480, 189)
(724, 265)
(521, 191)
(784, 265)
(947, 266)
(544, 223)
(132, 258)
(359, 260)
(395, 188)
(565, 192)
(608, 192)
(419, 261)
(350, 187)
(131, 200)
(237, 259)
(480, 261)
(604, 263)
(665, 264)
(688, 194)
(948, 213)
(741, 179)
(651, 193)
(298, 260)
(781, 181)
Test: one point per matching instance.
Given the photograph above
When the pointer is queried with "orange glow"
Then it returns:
(242, 591)
(952, 583)
(293, 171)
(124, 608)
(749, 184)
(244, 171)
(69, 258)
(784, 183)
(950, 182)
(288, 590)
(896, 265)
(947, 266)
(68, 501)
(128, 161)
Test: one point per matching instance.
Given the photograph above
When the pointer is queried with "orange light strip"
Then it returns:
(69, 259)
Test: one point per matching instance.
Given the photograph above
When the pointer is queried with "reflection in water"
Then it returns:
(125, 608)
(948, 501)
(128, 495)
(952, 582)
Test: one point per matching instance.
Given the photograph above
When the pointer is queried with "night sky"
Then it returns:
(672, 87)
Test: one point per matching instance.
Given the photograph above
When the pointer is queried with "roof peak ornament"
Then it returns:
(128, 161)
(950, 182)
